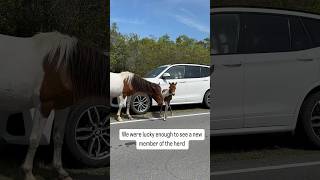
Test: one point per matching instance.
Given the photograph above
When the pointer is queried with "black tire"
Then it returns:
(99, 133)
(206, 99)
(140, 103)
(309, 113)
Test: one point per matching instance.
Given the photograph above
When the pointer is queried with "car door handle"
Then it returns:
(182, 82)
(232, 65)
(305, 59)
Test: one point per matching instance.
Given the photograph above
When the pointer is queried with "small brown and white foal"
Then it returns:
(167, 97)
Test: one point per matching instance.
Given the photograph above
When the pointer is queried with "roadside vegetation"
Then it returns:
(87, 20)
(129, 52)
(309, 5)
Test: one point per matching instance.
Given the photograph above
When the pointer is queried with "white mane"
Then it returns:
(54, 41)
(127, 75)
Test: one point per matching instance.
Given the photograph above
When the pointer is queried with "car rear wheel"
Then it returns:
(206, 99)
(88, 133)
(310, 119)
(140, 103)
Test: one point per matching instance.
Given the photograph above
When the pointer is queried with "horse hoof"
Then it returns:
(29, 177)
(119, 119)
(65, 178)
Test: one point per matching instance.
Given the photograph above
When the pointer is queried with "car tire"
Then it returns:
(94, 136)
(206, 99)
(140, 103)
(310, 119)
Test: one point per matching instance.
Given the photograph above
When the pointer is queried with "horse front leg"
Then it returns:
(128, 107)
(38, 124)
(58, 136)
(165, 111)
(170, 109)
(120, 103)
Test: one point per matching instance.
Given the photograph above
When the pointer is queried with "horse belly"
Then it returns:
(20, 75)
(116, 85)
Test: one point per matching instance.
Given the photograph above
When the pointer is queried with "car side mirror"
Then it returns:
(165, 75)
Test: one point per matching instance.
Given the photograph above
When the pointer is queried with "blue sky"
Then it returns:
(159, 17)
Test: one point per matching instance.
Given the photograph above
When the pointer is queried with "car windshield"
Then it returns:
(154, 73)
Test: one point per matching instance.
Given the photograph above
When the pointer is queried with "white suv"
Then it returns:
(193, 85)
(266, 75)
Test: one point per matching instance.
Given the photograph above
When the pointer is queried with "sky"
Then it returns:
(155, 18)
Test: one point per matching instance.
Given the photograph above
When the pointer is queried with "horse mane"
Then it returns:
(56, 45)
(140, 84)
(86, 67)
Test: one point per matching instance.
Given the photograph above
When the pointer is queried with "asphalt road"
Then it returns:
(263, 157)
(12, 156)
(128, 163)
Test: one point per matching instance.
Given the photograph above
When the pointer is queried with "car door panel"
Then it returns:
(273, 84)
(227, 93)
(227, 76)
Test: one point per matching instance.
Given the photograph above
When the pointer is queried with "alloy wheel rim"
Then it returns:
(92, 132)
(140, 103)
(315, 119)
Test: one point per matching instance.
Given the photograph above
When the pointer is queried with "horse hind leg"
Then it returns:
(58, 135)
(38, 124)
(128, 107)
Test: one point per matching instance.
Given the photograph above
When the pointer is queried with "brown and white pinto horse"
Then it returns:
(123, 85)
(49, 72)
(167, 97)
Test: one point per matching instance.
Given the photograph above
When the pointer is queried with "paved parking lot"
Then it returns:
(129, 163)
(12, 156)
(271, 156)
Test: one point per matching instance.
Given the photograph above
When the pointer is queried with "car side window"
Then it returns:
(313, 27)
(205, 72)
(299, 37)
(264, 33)
(176, 72)
(192, 72)
(224, 33)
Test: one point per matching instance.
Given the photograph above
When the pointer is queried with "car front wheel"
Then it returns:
(88, 133)
(140, 103)
(310, 119)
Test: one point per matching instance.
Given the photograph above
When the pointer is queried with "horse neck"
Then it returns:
(140, 84)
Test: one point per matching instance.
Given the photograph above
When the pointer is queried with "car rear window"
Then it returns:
(313, 27)
(264, 33)
(205, 72)
(300, 39)
(192, 72)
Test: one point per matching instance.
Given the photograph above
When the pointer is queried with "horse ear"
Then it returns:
(176, 83)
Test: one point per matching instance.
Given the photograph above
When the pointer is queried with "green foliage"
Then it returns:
(140, 55)
(84, 19)
(299, 5)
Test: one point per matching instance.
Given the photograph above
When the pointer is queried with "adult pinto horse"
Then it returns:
(123, 85)
(49, 72)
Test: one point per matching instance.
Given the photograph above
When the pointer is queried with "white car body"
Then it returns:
(262, 92)
(188, 91)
